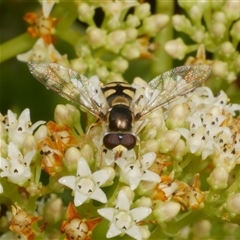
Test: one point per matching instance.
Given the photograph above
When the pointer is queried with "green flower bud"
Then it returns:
(202, 229)
(176, 117)
(66, 115)
(235, 30)
(168, 140)
(116, 40)
(87, 153)
(71, 158)
(219, 69)
(153, 24)
(217, 30)
(29, 144)
(218, 178)
(227, 49)
(142, 11)
(132, 34)
(131, 51)
(85, 12)
(233, 203)
(96, 37)
(166, 211)
(181, 23)
(41, 133)
(179, 150)
(132, 21)
(119, 64)
(176, 48)
(102, 72)
(79, 65)
(196, 13)
(232, 9)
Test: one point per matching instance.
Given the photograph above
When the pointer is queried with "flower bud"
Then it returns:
(79, 65)
(87, 153)
(143, 202)
(119, 64)
(219, 69)
(85, 12)
(179, 150)
(176, 48)
(196, 13)
(217, 30)
(168, 140)
(29, 144)
(202, 229)
(180, 23)
(166, 211)
(218, 178)
(41, 133)
(176, 118)
(96, 37)
(153, 24)
(111, 173)
(226, 49)
(128, 192)
(151, 145)
(235, 30)
(233, 203)
(71, 157)
(232, 9)
(53, 210)
(131, 51)
(116, 40)
(66, 115)
(142, 10)
(102, 72)
(132, 21)
(132, 34)
(219, 17)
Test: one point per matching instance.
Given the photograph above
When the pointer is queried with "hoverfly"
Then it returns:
(121, 107)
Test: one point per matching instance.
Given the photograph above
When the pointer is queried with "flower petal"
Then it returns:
(140, 213)
(99, 195)
(68, 181)
(83, 168)
(107, 213)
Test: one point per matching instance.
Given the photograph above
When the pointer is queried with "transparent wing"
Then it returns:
(69, 84)
(167, 87)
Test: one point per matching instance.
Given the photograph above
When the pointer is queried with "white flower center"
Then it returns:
(123, 220)
(85, 186)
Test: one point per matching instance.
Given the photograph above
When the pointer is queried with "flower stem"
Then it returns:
(164, 61)
(15, 46)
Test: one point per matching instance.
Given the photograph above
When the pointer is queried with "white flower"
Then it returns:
(86, 185)
(42, 52)
(16, 166)
(132, 172)
(19, 129)
(122, 219)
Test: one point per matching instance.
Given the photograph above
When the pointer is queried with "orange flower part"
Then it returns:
(42, 27)
(61, 134)
(77, 228)
(51, 161)
(147, 48)
(190, 196)
(22, 222)
(54, 147)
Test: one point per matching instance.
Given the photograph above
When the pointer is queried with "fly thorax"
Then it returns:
(120, 119)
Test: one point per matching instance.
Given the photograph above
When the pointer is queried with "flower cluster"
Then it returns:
(214, 25)
(105, 49)
(180, 181)
(194, 136)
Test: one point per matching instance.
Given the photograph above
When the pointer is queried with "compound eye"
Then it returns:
(110, 141)
(128, 141)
